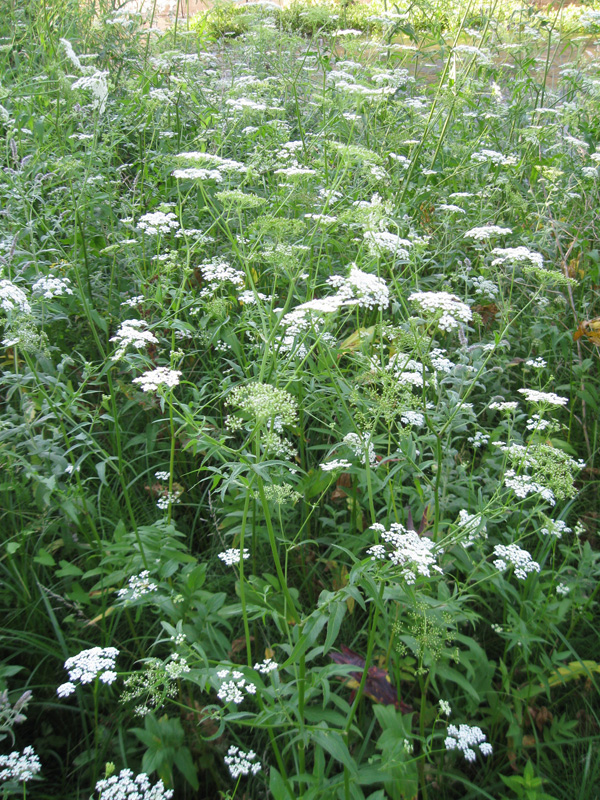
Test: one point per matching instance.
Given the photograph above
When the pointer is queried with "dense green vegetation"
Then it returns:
(299, 402)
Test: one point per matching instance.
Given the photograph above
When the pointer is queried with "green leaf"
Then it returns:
(277, 786)
(333, 743)
(185, 764)
(67, 569)
(44, 558)
(334, 624)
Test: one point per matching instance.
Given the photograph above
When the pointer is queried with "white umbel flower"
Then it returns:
(19, 767)
(125, 786)
(449, 311)
(97, 662)
(155, 379)
(465, 738)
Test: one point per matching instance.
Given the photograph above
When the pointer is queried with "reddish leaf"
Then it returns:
(377, 686)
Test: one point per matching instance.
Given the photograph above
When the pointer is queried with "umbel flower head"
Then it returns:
(155, 379)
(125, 787)
(12, 298)
(447, 309)
(19, 766)
(417, 555)
(132, 332)
(241, 763)
(465, 738)
(97, 662)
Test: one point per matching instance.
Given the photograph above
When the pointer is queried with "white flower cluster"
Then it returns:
(363, 448)
(138, 586)
(266, 666)
(445, 708)
(484, 287)
(168, 498)
(162, 475)
(11, 298)
(98, 85)
(493, 157)
(465, 738)
(513, 555)
(250, 298)
(479, 440)
(412, 418)
(83, 668)
(507, 405)
(125, 787)
(216, 273)
(562, 590)
(234, 685)
(134, 301)
(51, 287)
(440, 362)
(361, 289)
(325, 219)
(214, 161)
(241, 763)
(546, 398)
(336, 463)
(416, 554)
(295, 171)
(383, 241)
(157, 222)
(132, 332)
(516, 255)
(536, 363)
(178, 665)
(232, 556)
(450, 208)
(154, 379)
(556, 527)
(486, 232)
(449, 308)
(472, 525)
(197, 174)
(19, 766)
(523, 485)
(406, 369)
(537, 424)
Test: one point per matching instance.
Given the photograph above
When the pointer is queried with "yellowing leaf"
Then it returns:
(589, 328)
(571, 671)
(103, 615)
(354, 341)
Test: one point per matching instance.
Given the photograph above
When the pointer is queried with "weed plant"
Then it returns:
(299, 402)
